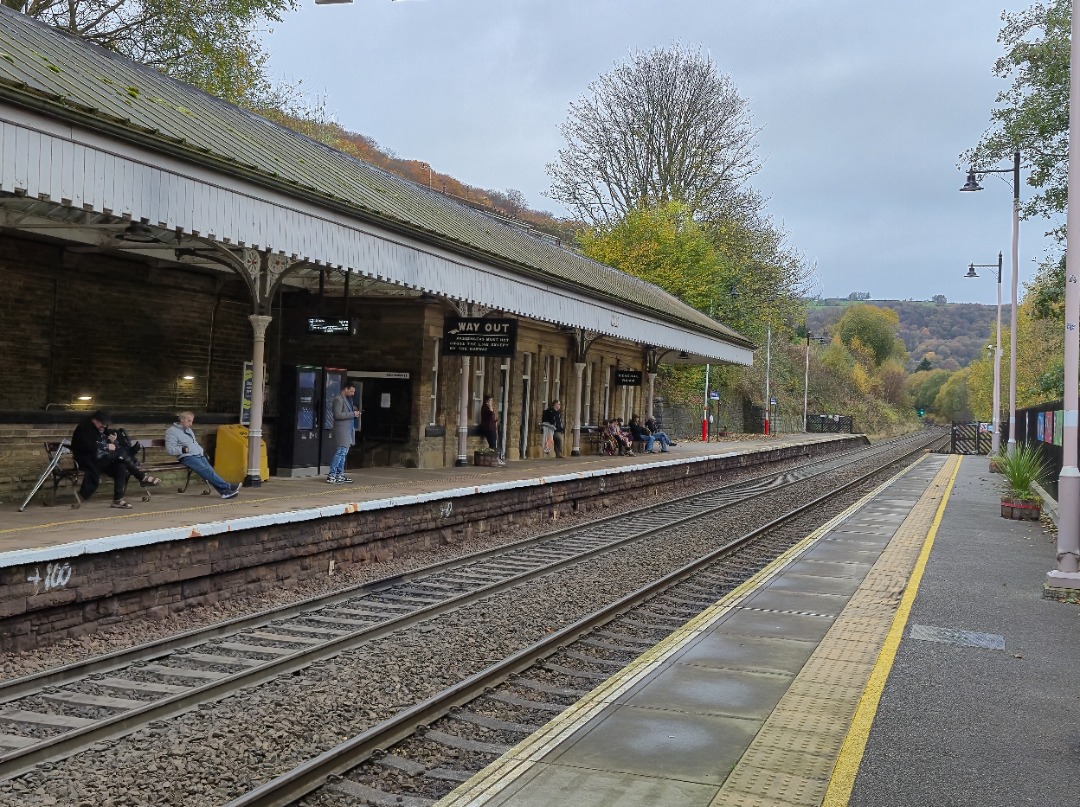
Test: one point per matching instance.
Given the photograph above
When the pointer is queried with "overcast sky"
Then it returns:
(864, 107)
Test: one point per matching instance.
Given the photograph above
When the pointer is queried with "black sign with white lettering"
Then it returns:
(470, 336)
(628, 378)
(320, 325)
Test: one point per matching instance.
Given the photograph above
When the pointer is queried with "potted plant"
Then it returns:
(486, 456)
(1020, 469)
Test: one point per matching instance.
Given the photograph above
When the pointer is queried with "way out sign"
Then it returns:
(471, 336)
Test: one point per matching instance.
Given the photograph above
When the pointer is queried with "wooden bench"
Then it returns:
(63, 468)
(163, 465)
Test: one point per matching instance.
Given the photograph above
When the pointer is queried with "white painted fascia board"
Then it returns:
(132, 180)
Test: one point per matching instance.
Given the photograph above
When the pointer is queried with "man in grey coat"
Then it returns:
(344, 413)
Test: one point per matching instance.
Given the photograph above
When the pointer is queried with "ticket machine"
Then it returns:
(298, 421)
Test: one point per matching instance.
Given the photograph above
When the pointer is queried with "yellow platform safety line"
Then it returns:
(842, 781)
(519, 760)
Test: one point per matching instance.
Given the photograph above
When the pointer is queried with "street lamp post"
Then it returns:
(806, 381)
(972, 184)
(1067, 574)
(995, 437)
(705, 409)
(768, 362)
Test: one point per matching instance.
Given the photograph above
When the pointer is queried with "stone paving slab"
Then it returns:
(793, 711)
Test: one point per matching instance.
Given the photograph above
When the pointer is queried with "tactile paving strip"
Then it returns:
(810, 722)
(764, 775)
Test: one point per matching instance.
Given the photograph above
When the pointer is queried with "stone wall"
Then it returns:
(40, 603)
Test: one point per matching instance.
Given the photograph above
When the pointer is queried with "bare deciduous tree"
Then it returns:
(665, 126)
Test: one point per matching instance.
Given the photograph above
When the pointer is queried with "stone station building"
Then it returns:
(154, 239)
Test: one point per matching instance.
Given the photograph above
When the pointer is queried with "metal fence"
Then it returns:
(830, 424)
(970, 437)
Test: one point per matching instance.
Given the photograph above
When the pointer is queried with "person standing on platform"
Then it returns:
(345, 414)
(95, 450)
(489, 425)
(180, 442)
(553, 417)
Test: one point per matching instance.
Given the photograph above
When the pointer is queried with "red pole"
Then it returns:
(705, 427)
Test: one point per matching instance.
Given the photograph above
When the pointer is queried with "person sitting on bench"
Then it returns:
(658, 435)
(180, 442)
(96, 452)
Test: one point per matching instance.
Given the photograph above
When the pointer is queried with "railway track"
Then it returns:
(52, 715)
(419, 755)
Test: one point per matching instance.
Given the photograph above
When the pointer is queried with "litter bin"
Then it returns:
(231, 452)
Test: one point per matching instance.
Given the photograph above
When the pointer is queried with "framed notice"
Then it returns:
(245, 391)
(479, 336)
(628, 378)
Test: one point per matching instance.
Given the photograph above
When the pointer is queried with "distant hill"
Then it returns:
(951, 335)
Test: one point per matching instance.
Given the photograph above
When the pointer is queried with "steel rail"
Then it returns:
(20, 760)
(307, 777)
(57, 676)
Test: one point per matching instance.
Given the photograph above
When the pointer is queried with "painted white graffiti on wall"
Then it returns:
(56, 576)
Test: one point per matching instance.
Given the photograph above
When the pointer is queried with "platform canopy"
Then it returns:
(101, 151)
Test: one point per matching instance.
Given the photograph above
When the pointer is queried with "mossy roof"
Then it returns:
(62, 75)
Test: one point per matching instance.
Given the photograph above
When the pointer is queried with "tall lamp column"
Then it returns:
(806, 382)
(995, 438)
(1067, 574)
(972, 184)
(768, 394)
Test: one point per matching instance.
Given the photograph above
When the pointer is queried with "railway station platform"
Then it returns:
(900, 656)
(64, 571)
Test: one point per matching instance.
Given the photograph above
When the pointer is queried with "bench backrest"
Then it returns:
(67, 465)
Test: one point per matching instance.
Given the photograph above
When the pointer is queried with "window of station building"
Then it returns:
(478, 376)
(588, 396)
(606, 392)
(434, 410)
(526, 397)
(545, 384)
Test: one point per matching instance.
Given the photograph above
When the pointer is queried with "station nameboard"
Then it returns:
(478, 336)
(320, 325)
(628, 378)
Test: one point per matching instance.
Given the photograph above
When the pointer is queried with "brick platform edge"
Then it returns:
(155, 580)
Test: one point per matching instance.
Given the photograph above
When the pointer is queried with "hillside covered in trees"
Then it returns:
(948, 335)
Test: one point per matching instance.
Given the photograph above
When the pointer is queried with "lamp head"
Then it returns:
(971, 271)
(972, 183)
(683, 354)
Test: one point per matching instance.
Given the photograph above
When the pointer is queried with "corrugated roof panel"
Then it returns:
(74, 75)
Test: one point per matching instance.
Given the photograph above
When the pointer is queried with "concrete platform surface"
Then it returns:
(44, 533)
(816, 684)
